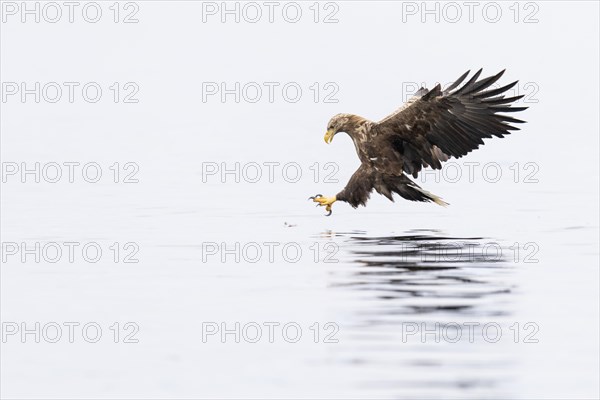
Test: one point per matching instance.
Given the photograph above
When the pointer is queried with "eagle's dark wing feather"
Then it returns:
(442, 124)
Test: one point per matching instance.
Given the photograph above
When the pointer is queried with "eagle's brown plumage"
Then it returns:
(431, 127)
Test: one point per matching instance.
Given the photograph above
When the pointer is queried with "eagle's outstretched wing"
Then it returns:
(435, 125)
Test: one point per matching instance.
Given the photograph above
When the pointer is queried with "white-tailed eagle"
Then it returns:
(431, 127)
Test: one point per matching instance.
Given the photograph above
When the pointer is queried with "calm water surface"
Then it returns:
(415, 313)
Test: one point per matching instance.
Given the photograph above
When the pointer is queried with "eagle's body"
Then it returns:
(431, 127)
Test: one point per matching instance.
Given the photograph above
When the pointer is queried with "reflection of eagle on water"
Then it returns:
(431, 127)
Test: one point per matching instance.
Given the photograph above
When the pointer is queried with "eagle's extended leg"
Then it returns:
(322, 201)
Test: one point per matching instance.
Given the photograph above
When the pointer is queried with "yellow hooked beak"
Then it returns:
(329, 135)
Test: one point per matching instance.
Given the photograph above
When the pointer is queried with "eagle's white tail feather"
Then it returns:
(433, 197)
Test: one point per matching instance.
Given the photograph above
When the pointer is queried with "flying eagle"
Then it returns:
(428, 129)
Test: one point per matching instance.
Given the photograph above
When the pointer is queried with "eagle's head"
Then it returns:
(340, 123)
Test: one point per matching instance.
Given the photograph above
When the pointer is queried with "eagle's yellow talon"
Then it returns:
(326, 202)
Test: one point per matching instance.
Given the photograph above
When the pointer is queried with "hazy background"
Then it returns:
(371, 56)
